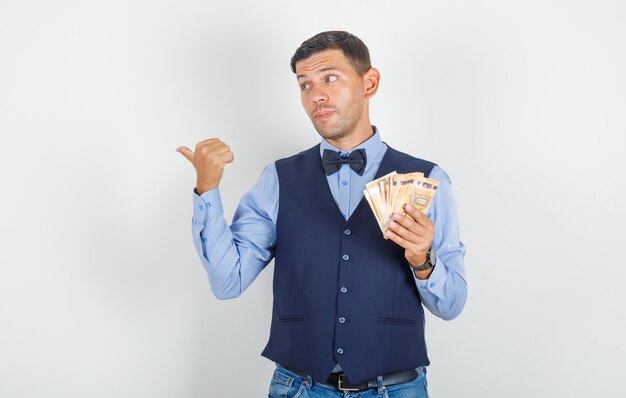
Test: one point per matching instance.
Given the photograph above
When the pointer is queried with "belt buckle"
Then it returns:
(340, 379)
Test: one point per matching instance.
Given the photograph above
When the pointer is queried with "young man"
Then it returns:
(348, 312)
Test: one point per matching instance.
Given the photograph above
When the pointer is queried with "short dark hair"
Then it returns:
(353, 48)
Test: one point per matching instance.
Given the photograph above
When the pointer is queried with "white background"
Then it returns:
(101, 293)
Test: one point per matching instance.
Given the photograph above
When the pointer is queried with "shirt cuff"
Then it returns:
(435, 282)
(207, 205)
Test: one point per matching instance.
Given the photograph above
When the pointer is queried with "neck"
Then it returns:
(357, 137)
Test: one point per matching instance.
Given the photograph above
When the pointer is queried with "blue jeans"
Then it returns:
(286, 384)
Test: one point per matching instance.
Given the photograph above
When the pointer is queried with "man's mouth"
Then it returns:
(323, 115)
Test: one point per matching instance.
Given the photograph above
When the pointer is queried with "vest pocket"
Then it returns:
(396, 321)
(291, 318)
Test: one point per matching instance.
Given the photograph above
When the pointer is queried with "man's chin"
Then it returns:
(327, 132)
(329, 135)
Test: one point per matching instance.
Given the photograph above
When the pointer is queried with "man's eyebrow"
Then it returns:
(321, 70)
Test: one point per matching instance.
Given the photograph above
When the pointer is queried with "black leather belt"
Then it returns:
(338, 380)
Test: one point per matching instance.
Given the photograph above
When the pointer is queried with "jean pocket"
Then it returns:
(423, 378)
(285, 386)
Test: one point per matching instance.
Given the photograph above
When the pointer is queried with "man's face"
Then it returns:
(332, 92)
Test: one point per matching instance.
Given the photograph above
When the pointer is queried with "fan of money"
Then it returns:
(389, 194)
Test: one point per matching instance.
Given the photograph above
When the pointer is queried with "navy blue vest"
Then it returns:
(342, 293)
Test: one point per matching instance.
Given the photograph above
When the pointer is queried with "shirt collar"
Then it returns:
(372, 146)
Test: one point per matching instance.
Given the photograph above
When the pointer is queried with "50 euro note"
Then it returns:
(389, 194)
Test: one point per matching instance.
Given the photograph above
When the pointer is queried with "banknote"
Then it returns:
(389, 194)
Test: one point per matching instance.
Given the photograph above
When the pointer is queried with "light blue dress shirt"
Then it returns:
(234, 256)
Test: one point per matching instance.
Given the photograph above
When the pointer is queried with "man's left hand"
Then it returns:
(414, 232)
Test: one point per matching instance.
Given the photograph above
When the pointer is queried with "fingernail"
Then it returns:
(392, 223)
(409, 207)
(395, 216)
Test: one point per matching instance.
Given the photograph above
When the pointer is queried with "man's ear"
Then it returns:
(371, 78)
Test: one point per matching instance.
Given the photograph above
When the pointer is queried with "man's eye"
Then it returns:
(305, 86)
(331, 79)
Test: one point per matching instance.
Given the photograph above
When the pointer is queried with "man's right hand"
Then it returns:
(209, 160)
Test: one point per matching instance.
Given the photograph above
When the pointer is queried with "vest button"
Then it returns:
(342, 320)
(344, 289)
(339, 351)
(346, 257)
(347, 232)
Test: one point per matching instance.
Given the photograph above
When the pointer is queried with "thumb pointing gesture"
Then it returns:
(209, 160)
(186, 152)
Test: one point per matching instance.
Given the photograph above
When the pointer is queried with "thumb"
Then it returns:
(186, 152)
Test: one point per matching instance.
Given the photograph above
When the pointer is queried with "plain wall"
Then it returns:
(101, 292)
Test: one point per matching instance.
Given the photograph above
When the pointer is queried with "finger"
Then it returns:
(410, 224)
(227, 157)
(389, 234)
(214, 149)
(208, 141)
(224, 153)
(412, 250)
(405, 233)
(209, 145)
(220, 149)
(417, 215)
(186, 152)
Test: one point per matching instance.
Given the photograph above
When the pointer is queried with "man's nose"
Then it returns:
(319, 95)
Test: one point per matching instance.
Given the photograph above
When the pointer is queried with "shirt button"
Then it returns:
(432, 285)
(339, 351)
(200, 207)
(344, 289)
(342, 320)
(347, 232)
(346, 257)
(344, 182)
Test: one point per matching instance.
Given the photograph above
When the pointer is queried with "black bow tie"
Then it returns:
(332, 161)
